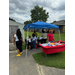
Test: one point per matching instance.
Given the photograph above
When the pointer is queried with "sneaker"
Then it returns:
(18, 55)
(20, 52)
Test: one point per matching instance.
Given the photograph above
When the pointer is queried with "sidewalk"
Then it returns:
(28, 66)
(12, 47)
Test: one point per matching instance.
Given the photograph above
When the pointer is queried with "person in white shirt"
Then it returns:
(19, 41)
(29, 42)
(33, 40)
(44, 36)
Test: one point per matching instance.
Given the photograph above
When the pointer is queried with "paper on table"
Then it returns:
(44, 44)
(53, 45)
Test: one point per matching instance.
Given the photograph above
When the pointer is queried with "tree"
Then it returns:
(37, 13)
(27, 22)
(11, 19)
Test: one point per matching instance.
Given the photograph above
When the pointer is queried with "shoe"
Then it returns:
(20, 52)
(18, 55)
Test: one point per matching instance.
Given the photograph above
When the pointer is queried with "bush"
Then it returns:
(24, 46)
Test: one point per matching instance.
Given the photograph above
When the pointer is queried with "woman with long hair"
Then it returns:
(19, 41)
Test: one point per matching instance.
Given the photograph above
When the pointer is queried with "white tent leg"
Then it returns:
(26, 51)
(27, 43)
(59, 35)
(23, 35)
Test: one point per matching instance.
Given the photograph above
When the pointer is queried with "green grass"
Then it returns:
(56, 36)
(24, 46)
(56, 60)
(30, 34)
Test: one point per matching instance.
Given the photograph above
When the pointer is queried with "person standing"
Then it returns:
(29, 43)
(33, 41)
(35, 33)
(19, 41)
(44, 36)
(50, 36)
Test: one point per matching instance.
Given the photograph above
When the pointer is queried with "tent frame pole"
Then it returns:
(27, 42)
(24, 39)
(59, 34)
(23, 35)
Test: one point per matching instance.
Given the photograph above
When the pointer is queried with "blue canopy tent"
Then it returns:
(40, 25)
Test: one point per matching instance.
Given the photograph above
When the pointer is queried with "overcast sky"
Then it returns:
(19, 10)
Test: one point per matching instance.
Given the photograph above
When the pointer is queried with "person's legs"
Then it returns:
(29, 47)
(42, 41)
(33, 44)
(45, 40)
(18, 51)
(18, 48)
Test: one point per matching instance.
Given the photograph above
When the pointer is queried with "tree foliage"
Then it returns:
(27, 22)
(11, 19)
(38, 13)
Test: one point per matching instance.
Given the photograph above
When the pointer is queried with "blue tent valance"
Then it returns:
(40, 25)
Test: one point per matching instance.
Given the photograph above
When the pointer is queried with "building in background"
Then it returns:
(13, 26)
(61, 25)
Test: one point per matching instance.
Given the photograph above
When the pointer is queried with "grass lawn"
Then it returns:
(56, 60)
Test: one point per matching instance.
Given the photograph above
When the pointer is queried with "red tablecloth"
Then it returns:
(53, 49)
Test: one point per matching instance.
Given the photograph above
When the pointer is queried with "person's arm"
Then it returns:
(31, 40)
(14, 38)
(14, 41)
(48, 37)
(36, 34)
(22, 40)
(35, 39)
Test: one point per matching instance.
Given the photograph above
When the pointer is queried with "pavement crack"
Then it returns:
(40, 71)
(12, 67)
